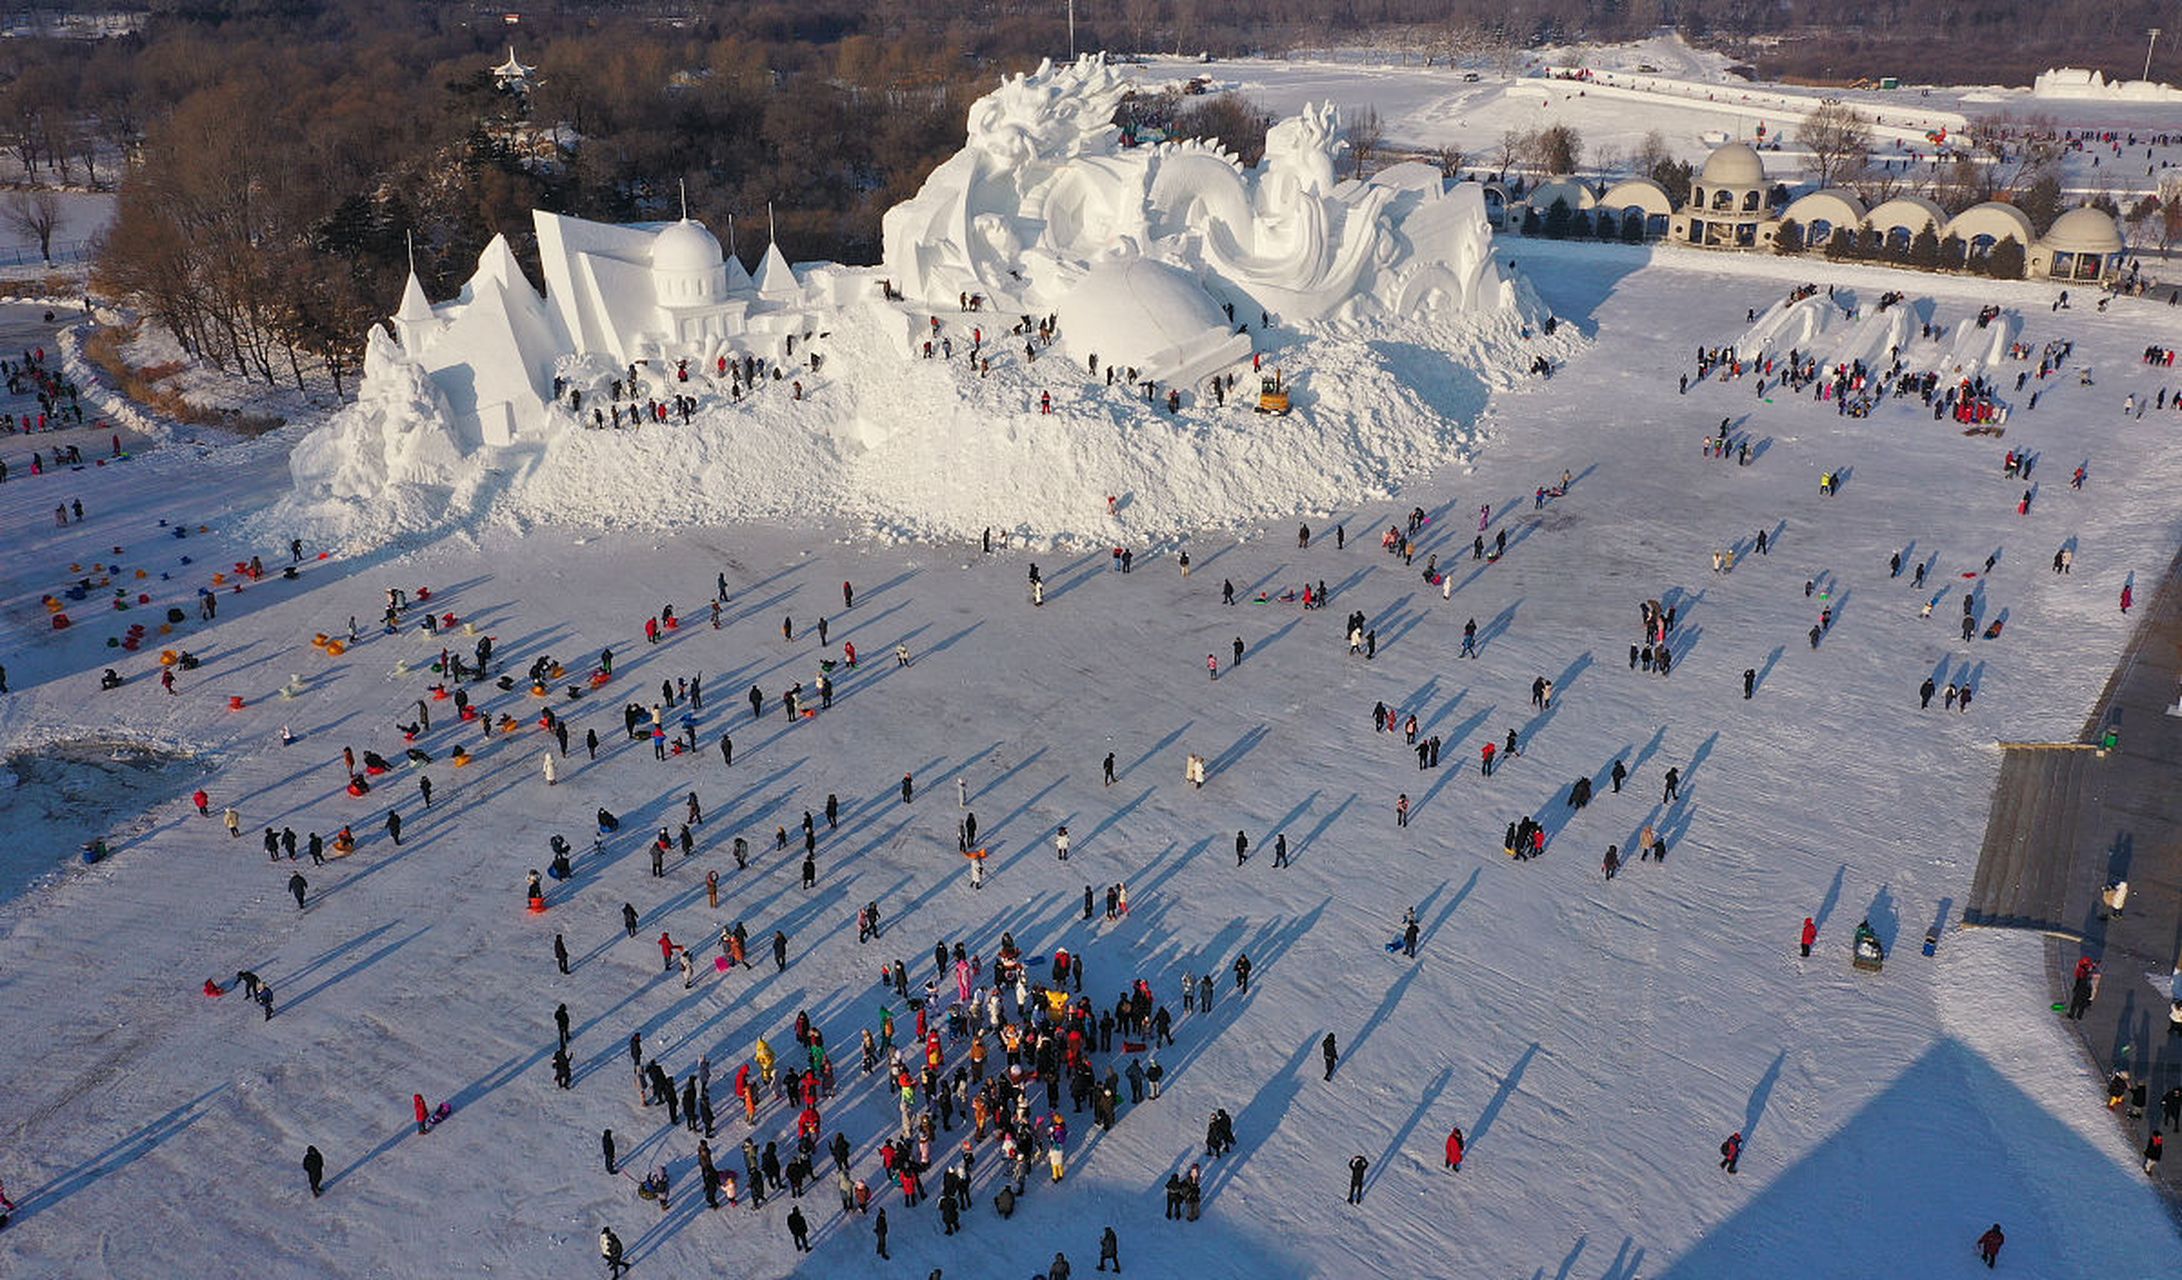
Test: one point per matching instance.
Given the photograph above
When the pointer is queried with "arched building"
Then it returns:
(1638, 200)
(1727, 201)
(1820, 214)
(2082, 244)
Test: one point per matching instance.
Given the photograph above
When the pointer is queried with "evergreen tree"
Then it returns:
(1924, 249)
(1788, 240)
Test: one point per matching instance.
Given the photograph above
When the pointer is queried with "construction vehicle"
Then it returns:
(1272, 396)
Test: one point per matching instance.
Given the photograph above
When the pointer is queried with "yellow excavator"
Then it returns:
(1272, 395)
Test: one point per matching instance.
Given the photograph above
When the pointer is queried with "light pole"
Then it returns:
(2147, 52)
(1072, 38)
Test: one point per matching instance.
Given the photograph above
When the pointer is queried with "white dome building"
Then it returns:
(1727, 201)
(2082, 244)
(688, 267)
(1152, 317)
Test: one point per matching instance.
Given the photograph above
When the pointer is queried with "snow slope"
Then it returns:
(1594, 1039)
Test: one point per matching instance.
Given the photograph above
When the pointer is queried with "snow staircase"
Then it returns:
(2024, 871)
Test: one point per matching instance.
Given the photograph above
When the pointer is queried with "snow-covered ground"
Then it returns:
(1690, 100)
(1595, 1040)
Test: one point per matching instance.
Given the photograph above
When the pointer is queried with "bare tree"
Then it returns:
(1450, 160)
(1554, 150)
(1651, 153)
(35, 214)
(1839, 139)
(1364, 135)
(1508, 150)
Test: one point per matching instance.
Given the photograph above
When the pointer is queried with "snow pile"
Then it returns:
(388, 458)
(929, 449)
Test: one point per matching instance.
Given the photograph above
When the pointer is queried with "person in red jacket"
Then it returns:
(422, 1114)
(666, 952)
(1810, 935)
(1454, 1150)
(203, 803)
(1731, 1151)
(1988, 1245)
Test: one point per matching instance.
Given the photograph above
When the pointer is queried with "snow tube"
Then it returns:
(343, 848)
(357, 786)
(460, 759)
(599, 679)
(537, 691)
(335, 648)
(674, 624)
(168, 657)
(537, 906)
(320, 640)
(440, 694)
(234, 702)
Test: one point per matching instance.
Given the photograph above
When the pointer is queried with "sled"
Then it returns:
(1394, 946)
(1868, 955)
(720, 964)
(1134, 1046)
(1932, 942)
(1993, 632)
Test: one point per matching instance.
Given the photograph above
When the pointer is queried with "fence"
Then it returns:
(65, 252)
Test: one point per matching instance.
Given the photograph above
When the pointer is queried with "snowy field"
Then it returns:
(1690, 100)
(1594, 1039)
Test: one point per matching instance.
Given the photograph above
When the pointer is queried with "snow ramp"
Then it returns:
(1787, 326)
(1873, 336)
(1978, 350)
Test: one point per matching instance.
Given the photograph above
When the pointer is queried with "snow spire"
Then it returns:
(413, 323)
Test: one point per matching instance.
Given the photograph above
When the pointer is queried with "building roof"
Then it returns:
(1913, 212)
(1836, 206)
(1575, 194)
(1638, 193)
(2084, 230)
(1734, 165)
(1995, 219)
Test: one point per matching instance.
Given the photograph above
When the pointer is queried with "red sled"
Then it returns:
(1134, 1046)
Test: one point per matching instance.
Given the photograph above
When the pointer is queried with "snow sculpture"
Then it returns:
(1156, 259)
(1043, 206)
(2076, 83)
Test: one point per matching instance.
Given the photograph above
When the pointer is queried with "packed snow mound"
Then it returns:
(394, 456)
(919, 448)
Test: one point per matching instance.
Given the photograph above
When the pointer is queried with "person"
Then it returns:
(2153, 1147)
(1988, 1245)
(1110, 1250)
(1454, 1150)
(1357, 1166)
(1810, 935)
(423, 1113)
(1332, 1054)
(606, 1146)
(878, 1229)
(298, 886)
(314, 1168)
(799, 1230)
(610, 1252)
(1731, 1151)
